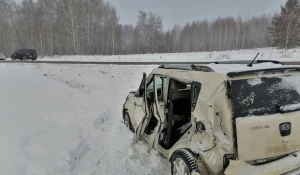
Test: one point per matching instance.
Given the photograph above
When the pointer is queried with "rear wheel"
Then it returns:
(183, 162)
(128, 122)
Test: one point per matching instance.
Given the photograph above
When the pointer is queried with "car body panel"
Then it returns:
(136, 109)
(262, 134)
(278, 167)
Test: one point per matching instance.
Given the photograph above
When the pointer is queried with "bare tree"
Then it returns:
(285, 28)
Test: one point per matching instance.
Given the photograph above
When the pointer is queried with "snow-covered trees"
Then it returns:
(90, 27)
(60, 27)
(149, 33)
(285, 28)
(225, 34)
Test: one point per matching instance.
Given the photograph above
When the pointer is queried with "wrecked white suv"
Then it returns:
(221, 118)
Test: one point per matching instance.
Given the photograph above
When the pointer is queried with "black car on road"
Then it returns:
(24, 54)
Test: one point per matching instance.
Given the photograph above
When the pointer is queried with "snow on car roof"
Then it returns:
(227, 69)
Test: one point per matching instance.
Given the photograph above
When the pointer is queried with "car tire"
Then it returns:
(184, 162)
(13, 58)
(128, 123)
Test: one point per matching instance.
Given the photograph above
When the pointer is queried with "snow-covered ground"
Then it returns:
(265, 53)
(66, 120)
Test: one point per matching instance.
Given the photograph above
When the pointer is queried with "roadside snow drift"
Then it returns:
(249, 54)
(66, 120)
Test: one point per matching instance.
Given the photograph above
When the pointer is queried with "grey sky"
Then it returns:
(183, 11)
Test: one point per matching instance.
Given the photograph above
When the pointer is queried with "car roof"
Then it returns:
(232, 69)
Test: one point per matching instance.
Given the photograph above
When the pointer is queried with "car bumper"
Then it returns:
(289, 165)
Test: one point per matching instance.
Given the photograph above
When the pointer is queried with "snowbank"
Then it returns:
(66, 120)
(266, 53)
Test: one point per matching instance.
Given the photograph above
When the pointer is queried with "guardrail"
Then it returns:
(138, 63)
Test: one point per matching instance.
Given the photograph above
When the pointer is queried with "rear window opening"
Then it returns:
(265, 96)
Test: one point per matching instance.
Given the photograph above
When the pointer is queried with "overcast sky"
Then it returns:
(183, 11)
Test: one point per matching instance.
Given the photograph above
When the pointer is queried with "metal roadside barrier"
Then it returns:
(150, 63)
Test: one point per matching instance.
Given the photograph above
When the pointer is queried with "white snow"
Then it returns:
(291, 82)
(224, 69)
(254, 81)
(66, 120)
(248, 100)
(290, 107)
(265, 53)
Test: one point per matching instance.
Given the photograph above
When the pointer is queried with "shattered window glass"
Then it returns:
(264, 96)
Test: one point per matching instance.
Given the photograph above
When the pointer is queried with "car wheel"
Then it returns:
(183, 162)
(13, 58)
(128, 122)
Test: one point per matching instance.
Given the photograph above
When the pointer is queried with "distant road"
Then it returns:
(135, 63)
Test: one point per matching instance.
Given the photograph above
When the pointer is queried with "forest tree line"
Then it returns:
(91, 27)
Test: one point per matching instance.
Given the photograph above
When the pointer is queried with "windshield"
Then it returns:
(264, 96)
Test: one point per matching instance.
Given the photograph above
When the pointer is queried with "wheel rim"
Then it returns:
(180, 167)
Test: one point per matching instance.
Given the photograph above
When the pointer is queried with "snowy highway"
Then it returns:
(66, 120)
(139, 63)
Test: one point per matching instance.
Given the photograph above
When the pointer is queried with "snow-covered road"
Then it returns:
(66, 120)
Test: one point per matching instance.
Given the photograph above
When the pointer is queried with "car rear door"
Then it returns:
(268, 136)
(266, 112)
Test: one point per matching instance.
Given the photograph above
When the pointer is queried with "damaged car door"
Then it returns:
(141, 110)
(159, 109)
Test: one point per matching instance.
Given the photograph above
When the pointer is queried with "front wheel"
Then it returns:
(183, 162)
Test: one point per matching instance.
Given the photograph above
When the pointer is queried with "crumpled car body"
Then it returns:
(237, 120)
